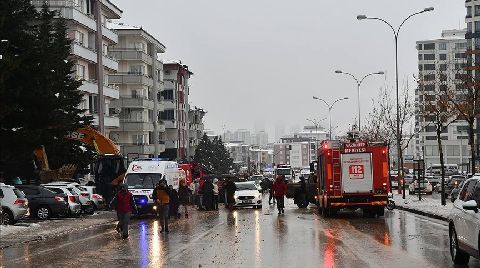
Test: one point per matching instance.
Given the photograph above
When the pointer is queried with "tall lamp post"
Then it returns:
(359, 83)
(330, 107)
(396, 33)
(316, 124)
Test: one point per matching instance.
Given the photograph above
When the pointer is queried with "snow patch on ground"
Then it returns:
(11, 229)
(427, 205)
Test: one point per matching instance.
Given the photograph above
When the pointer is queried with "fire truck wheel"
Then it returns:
(368, 213)
(381, 211)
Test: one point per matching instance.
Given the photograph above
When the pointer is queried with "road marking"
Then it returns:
(186, 246)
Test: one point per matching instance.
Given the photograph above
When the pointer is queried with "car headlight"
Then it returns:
(235, 196)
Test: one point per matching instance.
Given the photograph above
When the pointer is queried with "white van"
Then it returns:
(144, 174)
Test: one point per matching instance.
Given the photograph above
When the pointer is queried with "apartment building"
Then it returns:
(196, 128)
(473, 49)
(140, 82)
(175, 114)
(295, 151)
(83, 26)
(440, 64)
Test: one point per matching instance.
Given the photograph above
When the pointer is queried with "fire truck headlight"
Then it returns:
(154, 208)
(331, 185)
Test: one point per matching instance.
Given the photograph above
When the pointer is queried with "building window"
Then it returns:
(429, 67)
(139, 139)
(167, 94)
(420, 67)
(469, 27)
(441, 46)
(469, 12)
(429, 77)
(168, 114)
(419, 46)
(429, 46)
(460, 56)
(79, 72)
(443, 67)
(137, 69)
(420, 56)
(477, 10)
(93, 104)
(79, 38)
(443, 56)
(462, 45)
(429, 56)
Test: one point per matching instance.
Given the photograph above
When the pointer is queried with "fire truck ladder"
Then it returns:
(337, 173)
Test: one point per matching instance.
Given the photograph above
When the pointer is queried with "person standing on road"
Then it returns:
(215, 194)
(124, 204)
(270, 192)
(163, 201)
(183, 195)
(174, 202)
(230, 191)
(201, 205)
(208, 194)
(279, 191)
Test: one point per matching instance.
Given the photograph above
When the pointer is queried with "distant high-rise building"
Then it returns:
(279, 132)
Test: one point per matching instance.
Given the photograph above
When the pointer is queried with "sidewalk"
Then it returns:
(429, 206)
(31, 230)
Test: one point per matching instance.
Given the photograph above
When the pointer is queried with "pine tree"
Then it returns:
(42, 95)
(213, 155)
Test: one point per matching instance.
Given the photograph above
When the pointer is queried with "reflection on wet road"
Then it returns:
(251, 238)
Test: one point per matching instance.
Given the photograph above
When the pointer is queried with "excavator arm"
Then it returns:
(89, 135)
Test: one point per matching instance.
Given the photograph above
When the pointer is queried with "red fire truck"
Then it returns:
(352, 175)
(192, 171)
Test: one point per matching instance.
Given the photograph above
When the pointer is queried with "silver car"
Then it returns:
(74, 206)
(83, 195)
(14, 204)
(97, 199)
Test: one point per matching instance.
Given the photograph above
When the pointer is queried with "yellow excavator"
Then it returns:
(109, 166)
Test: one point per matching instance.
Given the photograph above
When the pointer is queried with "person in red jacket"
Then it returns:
(124, 204)
(279, 191)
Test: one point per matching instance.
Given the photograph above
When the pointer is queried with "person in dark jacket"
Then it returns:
(124, 204)
(208, 194)
(183, 196)
(301, 196)
(230, 191)
(279, 191)
(270, 192)
(174, 202)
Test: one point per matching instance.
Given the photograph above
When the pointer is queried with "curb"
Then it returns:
(423, 213)
(74, 229)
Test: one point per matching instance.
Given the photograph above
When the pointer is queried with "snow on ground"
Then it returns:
(30, 229)
(427, 204)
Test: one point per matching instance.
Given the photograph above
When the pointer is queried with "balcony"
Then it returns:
(135, 102)
(131, 54)
(90, 86)
(85, 52)
(69, 10)
(108, 121)
(135, 126)
(170, 124)
(130, 78)
(138, 149)
(161, 126)
(170, 144)
(110, 63)
(110, 34)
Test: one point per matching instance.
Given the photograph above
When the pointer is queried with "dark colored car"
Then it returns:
(43, 203)
(456, 189)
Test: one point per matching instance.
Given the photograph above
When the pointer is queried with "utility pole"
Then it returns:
(99, 69)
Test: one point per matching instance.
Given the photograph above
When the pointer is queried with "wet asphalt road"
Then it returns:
(251, 238)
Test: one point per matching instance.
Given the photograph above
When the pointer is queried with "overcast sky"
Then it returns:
(260, 62)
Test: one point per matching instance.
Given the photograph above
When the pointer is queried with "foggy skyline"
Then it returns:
(257, 64)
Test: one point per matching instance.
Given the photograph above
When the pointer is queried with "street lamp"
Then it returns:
(395, 33)
(359, 83)
(316, 123)
(330, 107)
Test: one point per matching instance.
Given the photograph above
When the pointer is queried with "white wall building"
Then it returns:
(82, 29)
(440, 63)
(140, 80)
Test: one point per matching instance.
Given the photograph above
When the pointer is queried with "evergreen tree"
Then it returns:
(213, 155)
(42, 95)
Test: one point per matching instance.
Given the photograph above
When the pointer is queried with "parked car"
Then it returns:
(98, 201)
(74, 205)
(44, 203)
(14, 204)
(247, 195)
(434, 180)
(424, 187)
(394, 181)
(83, 195)
(464, 226)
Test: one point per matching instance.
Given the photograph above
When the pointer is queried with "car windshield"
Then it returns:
(283, 171)
(71, 191)
(81, 188)
(246, 186)
(142, 180)
(18, 193)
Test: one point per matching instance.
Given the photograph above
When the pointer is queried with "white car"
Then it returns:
(464, 226)
(247, 195)
(83, 195)
(14, 204)
(74, 205)
(97, 199)
(425, 187)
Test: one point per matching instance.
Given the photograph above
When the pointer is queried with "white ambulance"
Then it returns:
(143, 175)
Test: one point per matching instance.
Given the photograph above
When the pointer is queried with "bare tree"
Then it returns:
(438, 109)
